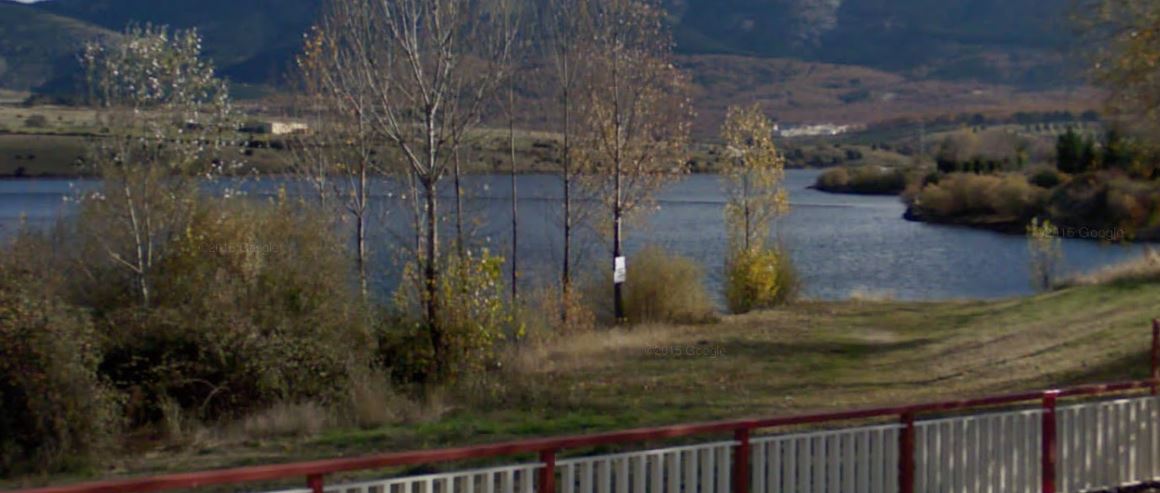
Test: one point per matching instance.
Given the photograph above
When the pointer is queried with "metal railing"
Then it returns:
(1047, 448)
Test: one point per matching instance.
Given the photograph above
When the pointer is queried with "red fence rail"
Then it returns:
(315, 472)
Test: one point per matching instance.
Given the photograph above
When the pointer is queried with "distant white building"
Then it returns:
(287, 128)
(275, 128)
(814, 130)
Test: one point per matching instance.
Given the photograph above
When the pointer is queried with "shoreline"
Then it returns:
(1103, 234)
(852, 191)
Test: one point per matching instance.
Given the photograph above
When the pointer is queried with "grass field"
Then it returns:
(53, 119)
(40, 155)
(812, 356)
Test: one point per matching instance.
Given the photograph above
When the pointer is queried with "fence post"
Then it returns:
(315, 483)
(906, 455)
(548, 472)
(741, 461)
(1155, 375)
(1048, 451)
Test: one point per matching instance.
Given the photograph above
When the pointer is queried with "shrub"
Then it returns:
(253, 307)
(834, 179)
(760, 279)
(55, 411)
(1045, 177)
(875, 180)
(958, 195)
(661, 288)
(36, 121)
(472, 319)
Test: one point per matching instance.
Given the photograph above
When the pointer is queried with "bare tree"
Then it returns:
(516, 19)
(637, 113)
(567, 24)
(428, 65)
(167, 114)
(338, 154)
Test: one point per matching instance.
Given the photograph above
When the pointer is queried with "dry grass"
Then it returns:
(1145, 268)
(288, 420)
(58, 118)
(865, 295)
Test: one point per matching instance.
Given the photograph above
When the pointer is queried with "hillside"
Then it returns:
(249, 40)
(37, 47)
(1010, 41)
(796, 91)
(1019, 42)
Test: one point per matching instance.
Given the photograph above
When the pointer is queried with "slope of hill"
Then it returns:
(795, 91)
(37, 47)
(1009, 41)
(250, 40)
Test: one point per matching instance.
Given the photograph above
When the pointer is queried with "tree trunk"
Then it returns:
(515, 195)
(139, 240)
(459, 243)
(617, 209)
(567, 273)
(431, 276)
(361, 232)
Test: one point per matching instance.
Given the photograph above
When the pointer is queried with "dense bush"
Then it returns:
(1109, 207)
(55, 410)
(473, 318)
(36, 121)
(760, 279)
(834, 179)
(874, 180)
(957, 195)
(1045, 177)
(253, 307)
(661, 288)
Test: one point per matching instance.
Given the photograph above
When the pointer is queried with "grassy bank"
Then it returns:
(811, 356)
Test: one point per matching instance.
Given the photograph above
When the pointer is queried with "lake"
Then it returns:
(843, 245)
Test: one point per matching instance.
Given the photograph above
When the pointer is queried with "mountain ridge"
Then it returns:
(1020, 42)
(853, 61)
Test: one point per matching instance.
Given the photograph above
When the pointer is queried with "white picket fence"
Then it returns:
(700, 468)
(507, 479)
(1108, 444)
(854, 460)
(1100, 445)
(988, 453)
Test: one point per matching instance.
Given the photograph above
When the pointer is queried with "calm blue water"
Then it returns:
(842, 244)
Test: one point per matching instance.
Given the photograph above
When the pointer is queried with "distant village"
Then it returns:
(817, 130)
(275, 128)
